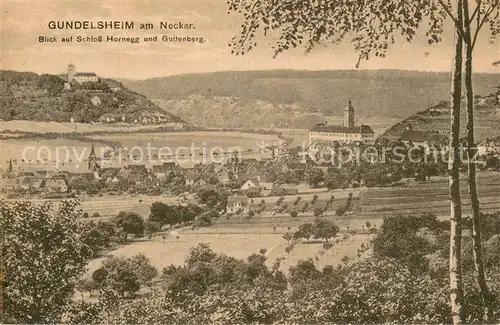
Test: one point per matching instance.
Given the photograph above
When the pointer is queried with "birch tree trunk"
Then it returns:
(456, 286)
(471, 167)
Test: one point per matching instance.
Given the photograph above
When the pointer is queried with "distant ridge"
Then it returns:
(298, 99)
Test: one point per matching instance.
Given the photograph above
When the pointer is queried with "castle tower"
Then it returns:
(71, 72)
(349, 115)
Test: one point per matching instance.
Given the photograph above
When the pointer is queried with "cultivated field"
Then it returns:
(170, 250)
(110, 206)
(431, 196)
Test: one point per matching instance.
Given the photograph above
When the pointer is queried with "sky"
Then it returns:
(23, 22)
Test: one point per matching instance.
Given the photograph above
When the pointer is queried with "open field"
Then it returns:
(110, 206)
(431, 196)
(164, 252)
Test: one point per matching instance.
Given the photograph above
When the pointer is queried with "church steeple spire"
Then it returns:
(92, 152)
(93, 159)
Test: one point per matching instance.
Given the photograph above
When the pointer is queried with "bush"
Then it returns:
(340, 211)
(294, 214)
(130, 223)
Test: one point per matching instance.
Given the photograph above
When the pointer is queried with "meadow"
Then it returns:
(164, 250)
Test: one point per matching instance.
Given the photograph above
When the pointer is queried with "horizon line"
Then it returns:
(259, 70)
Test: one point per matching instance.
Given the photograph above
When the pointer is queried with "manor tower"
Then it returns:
(349, 115)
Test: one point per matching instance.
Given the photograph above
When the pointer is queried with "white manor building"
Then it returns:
(80, 77)
(347, 133)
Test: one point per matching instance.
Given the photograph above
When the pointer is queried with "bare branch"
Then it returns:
(476, 11)
(458, 26)
(487, 14)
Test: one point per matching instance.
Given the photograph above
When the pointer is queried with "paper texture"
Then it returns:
(197, 162)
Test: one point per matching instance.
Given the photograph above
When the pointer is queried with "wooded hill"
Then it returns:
(29, 96)
(437, 118)
(298, 99)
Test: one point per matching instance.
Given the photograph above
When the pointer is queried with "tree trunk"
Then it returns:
(471, 167)
(456, 286)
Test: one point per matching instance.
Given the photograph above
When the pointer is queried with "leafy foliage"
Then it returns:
(371, 26)
(43, 254)
(401, 238)
(130, 223)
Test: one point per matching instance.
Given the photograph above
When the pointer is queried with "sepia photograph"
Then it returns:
(250, 162)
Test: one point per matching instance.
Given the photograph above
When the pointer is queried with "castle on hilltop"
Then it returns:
(347, 133)
(79, 77)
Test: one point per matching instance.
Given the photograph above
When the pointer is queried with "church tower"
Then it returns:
(71, 72)
(349, 115)
(93, 166)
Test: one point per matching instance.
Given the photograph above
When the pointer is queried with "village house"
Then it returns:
(42, 174)
(124, 174)
(56, 186)
(108, 172)
(25, 183)
(138, 169)
(30, 183)
(227, 177)
(113, 85)
(253, 191)
(237, 203)
(162, 171)
(96, 101)
(249, 184)
(193, 179)
(26, 174)
(294, 167)
(414, 138)
(9, 184)
(256, 182)
(112, 180)
(89, 176)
